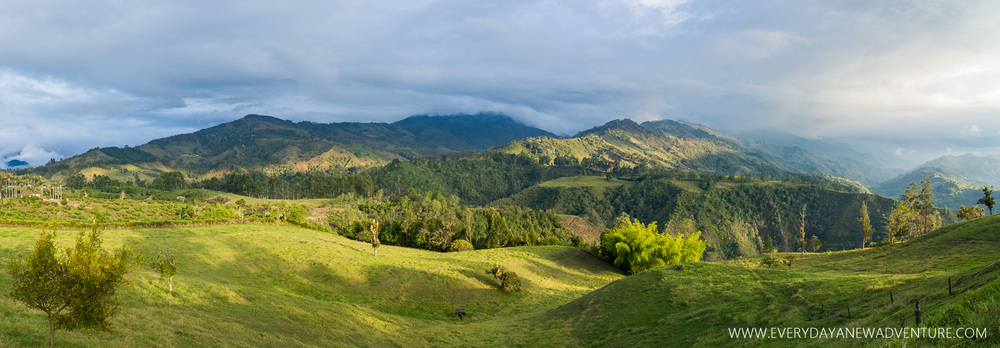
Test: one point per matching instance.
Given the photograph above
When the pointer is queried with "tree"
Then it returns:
(768, 246)
(509, 281)
(971, 213)
(900, 224)
(987, 199)
(170, 181)
(635, 247)
(166, 266)
(866, 225)
(814, 243)
(375, 241)
(802, 229)
(787, 260)
(84, 282)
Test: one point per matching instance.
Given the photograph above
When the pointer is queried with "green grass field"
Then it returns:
(270, 285)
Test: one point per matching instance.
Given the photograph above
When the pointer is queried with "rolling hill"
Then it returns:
(266, 285)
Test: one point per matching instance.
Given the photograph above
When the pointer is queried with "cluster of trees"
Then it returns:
(298, 186)
(975, 212)
(915, 213)
(635, 247)
(437, 221)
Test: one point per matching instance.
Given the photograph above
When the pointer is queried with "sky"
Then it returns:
(914, 78)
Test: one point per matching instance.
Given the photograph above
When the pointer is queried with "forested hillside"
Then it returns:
(279, 146)
(735, 214)
(958, 180)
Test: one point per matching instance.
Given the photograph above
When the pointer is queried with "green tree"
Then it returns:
(971, 213)
(802, 229)
(768, 246)
(788, 259)
(375, 242)
(83, 283)
(165, 264)
(170, 181)
(900, 225)
(509, 281)
(987, 199)
(635, 247)
(814, 244)
(866, 225)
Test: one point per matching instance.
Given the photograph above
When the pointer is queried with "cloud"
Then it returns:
(105, 73)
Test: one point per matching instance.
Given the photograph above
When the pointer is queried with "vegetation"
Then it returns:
(165, 264)
(866, 225)
(635, 247)
(987, 199)
(509, 281)
(84, 282)
(970, 213)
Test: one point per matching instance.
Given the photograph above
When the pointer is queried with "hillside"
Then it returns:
(281, 146)
(735, 216)
(957, 180)
(697, 306)
(266, 285)
(826, 157)
(665, 144)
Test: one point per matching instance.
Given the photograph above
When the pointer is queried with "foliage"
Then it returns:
(635, 247)
(987, 199)
(915, 214)
(460, 245)
(509, 281)
(768, 261)
(970, 213)
(814, 244)
(788, 259)
(170, 181)
(84, 282)
(768, 245)
(165, 265)
(866, 225)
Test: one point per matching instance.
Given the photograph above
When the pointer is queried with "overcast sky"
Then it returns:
(923, 75)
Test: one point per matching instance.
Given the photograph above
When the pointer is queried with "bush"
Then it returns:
(460, 245)
(509, 281)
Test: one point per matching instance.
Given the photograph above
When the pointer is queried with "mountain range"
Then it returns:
(281, 147)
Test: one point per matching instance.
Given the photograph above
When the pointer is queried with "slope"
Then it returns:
(839, 290)
(957, 180)
(267, 285)
(285, 147)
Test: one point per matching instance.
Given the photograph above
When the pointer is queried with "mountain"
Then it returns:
(667, 144)
(956, 180)
(281, 146)
(826, 157)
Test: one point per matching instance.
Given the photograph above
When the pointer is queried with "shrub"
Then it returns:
(509, 281)
(460, 245)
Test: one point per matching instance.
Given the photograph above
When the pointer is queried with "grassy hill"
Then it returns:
(696, 306)
(255, 285)
(267, 285)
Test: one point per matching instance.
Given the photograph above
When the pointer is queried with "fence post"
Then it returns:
(916, 312)
(949, 286)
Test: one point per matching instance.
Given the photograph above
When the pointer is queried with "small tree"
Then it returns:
(971, 213)
(987, 199)
(768, 246)
(509, 281)
(814, 243)
(866, 225)
(375, 241)
(787, 260)
(84, 282)
(768, 261)
(166, 266)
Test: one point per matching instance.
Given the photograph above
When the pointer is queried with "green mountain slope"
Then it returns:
(734, 216)
(698, 305)
(957, 180)
(281, 146)
(665, 144)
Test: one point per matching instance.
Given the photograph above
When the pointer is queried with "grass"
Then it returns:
(696, 306)
(253, 285)
(583, 181)
(261, 285)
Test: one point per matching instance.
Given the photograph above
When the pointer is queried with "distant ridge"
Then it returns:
(261, 142)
